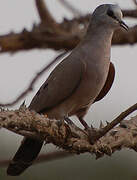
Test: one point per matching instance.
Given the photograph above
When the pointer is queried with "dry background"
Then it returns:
(17, 70)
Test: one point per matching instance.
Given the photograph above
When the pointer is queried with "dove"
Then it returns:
(82, 78)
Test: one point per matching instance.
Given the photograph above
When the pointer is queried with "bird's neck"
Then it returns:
(101, 38)
(99, 33)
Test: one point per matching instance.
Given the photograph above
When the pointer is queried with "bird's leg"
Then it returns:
(68, 121)
(92, 132)
(83, 123)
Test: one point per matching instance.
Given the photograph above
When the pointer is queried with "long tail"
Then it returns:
(24, 157)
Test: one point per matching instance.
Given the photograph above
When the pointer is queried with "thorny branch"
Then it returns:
(116, 121)
(70, 137)
(65, 36)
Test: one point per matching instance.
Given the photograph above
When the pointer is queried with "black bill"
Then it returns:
(123, 25)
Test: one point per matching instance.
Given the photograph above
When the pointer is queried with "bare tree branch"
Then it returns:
(44, 13)
(46, 18)
(70, 137)
(116, 121)
(130, 13)
(65, 37)
(31, 85)
(59, 36)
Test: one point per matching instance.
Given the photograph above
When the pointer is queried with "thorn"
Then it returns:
(2, 109)
(91, 126)
(101, 124)
(24, 30)
(107, 122)
(113, 132)
(23, 104)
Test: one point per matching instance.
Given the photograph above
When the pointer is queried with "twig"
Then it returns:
(116, 121)
(46, 18)
(44, 14)
(43, 157)
(75, 12)
(31, 85)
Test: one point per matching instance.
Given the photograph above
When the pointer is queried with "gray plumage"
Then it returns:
(76, 82)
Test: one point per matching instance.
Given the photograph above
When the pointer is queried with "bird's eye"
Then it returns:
(110, 13)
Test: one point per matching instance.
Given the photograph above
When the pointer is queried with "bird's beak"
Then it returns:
(123, 25)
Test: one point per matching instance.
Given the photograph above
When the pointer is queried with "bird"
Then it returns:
(79, 80)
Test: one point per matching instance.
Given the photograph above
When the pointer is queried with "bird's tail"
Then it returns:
(27, 152)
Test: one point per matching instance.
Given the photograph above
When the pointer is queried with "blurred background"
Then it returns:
(18, 69)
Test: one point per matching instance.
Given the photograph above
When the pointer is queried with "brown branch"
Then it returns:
(69, 137)
(43, 157)
(65, 37)
(59, 36)
(46, 18)
(130, 13)
(44, 13)
(116, 121)
(31, 85)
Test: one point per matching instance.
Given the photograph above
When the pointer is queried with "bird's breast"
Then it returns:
(92, 82)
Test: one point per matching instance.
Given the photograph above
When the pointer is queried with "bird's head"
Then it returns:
(110, 15)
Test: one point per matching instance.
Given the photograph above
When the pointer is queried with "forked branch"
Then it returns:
(59, 36)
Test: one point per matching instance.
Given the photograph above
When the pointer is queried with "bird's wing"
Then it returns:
(61, 83)
(108, 83)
